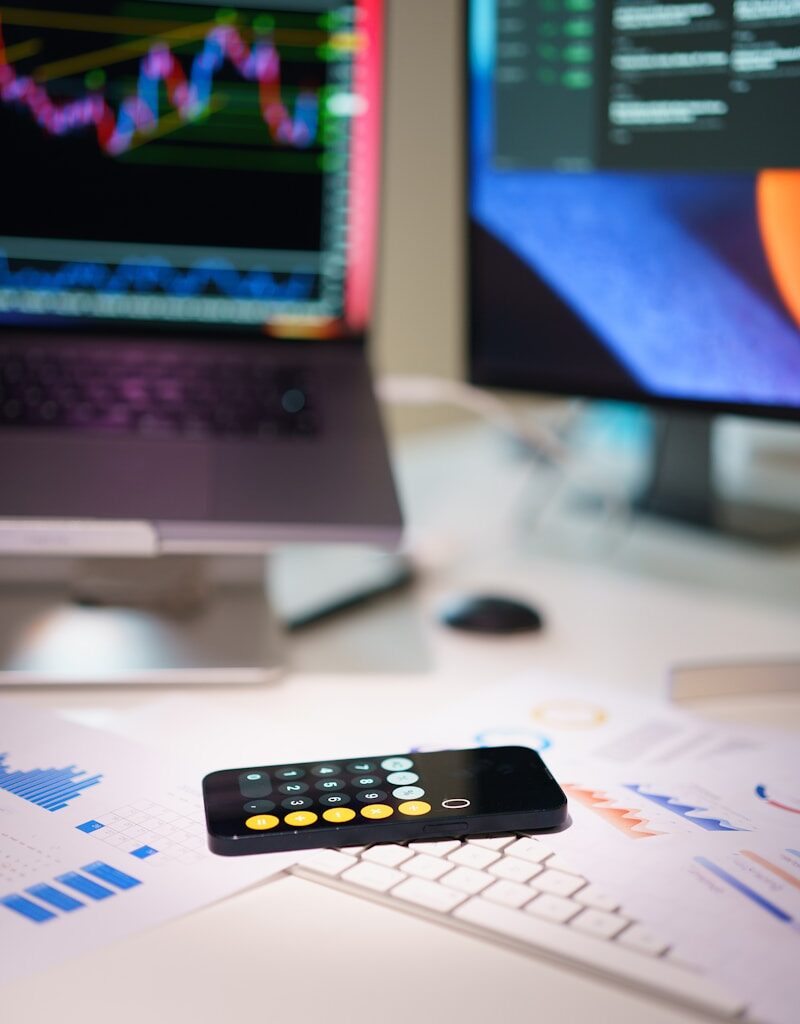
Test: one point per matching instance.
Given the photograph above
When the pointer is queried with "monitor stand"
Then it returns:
(164, 620)
(681, 485)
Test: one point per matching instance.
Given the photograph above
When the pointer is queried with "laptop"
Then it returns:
(188, 240)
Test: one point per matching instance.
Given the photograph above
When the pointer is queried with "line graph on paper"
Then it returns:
(630, 821)
(644, 810)
(692, 805)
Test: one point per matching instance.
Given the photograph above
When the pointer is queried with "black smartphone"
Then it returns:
(380, 799)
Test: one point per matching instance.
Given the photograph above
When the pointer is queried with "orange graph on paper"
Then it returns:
(626, 819)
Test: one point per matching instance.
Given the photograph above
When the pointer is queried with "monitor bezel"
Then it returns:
(480, 371)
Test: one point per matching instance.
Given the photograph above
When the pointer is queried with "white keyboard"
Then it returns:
(516, 889)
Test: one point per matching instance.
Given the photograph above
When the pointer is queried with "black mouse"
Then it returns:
(486, 613)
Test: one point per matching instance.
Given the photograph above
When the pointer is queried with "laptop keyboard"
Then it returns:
(155, 393)
(518, 890)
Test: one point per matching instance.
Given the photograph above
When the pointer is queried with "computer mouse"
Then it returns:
(488, 613)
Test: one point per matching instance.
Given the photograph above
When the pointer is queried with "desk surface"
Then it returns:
(623, 602)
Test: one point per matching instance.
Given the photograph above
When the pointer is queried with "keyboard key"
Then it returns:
(428, 894)
(553, 908)
(558, 883)
(599, 923)
(593, 896)
(642, 940)
(330, 862)
(494, 843)
(467, 880)
(514, 869)
(389, 855)
(556, 940)
(529, 849)
(423, 866)
(559, 863)
(473, 857)
(439, 848)
(373, 876)
(508, 894)
(151, 393)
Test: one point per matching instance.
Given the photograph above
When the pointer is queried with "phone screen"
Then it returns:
(394, 796)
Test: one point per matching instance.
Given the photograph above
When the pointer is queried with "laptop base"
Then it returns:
(167, 620)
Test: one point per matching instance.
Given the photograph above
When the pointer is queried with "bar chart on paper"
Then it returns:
(50, 788)
(123, 849)
(44, 902)
(771, 883)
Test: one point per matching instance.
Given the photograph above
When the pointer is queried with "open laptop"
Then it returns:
(188, 237)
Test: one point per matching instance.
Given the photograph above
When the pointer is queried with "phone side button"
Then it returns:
(449, 828)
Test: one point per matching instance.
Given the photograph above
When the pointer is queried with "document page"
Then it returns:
(100, 836)
(692, 825)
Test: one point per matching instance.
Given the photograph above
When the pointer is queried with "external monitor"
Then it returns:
(634, 210)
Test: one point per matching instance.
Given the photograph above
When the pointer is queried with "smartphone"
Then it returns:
(387, 798)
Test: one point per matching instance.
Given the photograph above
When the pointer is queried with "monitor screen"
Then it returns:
(190, 164)
(634, 203)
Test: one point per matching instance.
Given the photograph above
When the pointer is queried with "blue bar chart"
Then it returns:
(85, 886)
(33, 911)
(55, 897)
(106, 873)
(91, 884)
(50, 788)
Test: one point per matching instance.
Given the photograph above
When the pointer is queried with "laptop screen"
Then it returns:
(190, 164)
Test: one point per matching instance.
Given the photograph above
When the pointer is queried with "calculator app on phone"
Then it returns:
(383, 798)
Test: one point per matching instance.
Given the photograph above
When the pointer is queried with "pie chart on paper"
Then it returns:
(779, 799)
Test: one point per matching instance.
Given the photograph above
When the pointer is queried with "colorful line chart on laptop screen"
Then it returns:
(186, 162)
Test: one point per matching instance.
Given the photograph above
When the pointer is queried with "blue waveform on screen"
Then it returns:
(50, 788)
(158, 276)
(687, 811)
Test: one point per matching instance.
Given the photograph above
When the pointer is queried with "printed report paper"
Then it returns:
(693, 826)
(99, 837)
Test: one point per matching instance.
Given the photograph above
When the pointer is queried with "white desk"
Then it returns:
(620, 607)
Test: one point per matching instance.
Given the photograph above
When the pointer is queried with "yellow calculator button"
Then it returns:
(299, 819)
(338, 814)
(414, 807)
(377, 811)
(260, 822)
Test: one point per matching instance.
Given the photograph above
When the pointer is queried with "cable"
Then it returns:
(540, 439)
(537, 438)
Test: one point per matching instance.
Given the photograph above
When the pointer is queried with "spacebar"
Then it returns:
(677, 983)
